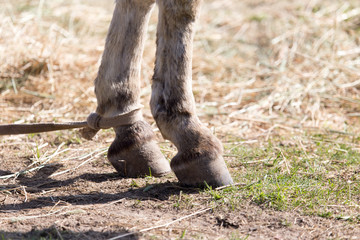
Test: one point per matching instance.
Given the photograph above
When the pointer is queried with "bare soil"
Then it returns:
(93, 202)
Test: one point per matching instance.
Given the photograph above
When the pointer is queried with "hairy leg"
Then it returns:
(199, 158)
(134, 151)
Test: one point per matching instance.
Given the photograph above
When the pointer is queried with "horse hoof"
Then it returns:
(200, 169)
(134, 152)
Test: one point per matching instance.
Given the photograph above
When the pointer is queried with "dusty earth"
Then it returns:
(80, 196)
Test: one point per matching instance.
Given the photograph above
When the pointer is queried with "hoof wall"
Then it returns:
(134, 152)
(206, 169)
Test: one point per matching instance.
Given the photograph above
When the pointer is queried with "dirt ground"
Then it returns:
(92, 202)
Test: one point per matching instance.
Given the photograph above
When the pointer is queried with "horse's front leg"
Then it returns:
(134, 151)
(199, 158)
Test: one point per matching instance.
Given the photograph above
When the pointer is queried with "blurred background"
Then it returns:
(261, 67)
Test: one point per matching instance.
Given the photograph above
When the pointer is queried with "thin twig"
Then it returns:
(257, 161)
(44, 164)
(230, 185)
(236, 184)
(24, 171)
(37, 94)
(284, 161)
(162, 225)
(88, 160)
(28, 169)
(25, 193)
(31, 217)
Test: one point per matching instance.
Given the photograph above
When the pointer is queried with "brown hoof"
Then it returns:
(200, 169)
(134, 152)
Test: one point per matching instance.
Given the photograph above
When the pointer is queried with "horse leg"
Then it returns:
(199, 158)
(134, 151)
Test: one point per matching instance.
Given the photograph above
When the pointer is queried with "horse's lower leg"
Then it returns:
(134, 151)
(199, 158)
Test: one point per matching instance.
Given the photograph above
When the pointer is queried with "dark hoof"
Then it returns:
(134, 152)
(196, 168)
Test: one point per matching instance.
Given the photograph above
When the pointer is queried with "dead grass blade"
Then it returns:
(162, 225)
(34, 216)
(90, 157)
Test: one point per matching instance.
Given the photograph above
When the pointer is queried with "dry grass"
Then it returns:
(259, 67)
(294, 67)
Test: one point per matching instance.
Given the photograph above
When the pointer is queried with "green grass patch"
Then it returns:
(316, 174)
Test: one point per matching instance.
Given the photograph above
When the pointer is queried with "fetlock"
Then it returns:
(134, 152)
(199, 159)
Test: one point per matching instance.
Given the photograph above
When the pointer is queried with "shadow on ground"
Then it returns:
(61, 233)
(42, 182)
